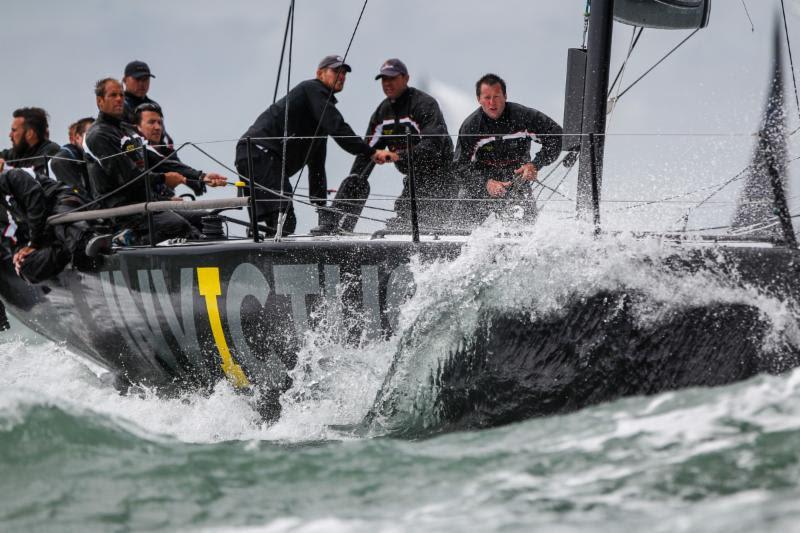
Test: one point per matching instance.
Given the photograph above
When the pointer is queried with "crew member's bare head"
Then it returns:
(149, 120)
(491, 93)
(110, 99)
(28, 128)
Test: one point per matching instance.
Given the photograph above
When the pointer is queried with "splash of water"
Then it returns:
(541, 275)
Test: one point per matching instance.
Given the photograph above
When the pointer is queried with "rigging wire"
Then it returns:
(746, 12)
(618, 78)
(648, 71)
(324, 109)
(791, 61)
(289, 17)
(281, 213)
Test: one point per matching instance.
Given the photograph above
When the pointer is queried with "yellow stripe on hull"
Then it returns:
(209, 285)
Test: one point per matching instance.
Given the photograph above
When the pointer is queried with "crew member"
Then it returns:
(68, 165)
(116, 159)
(30, 198)
(30, 140)
(405, 110)
(149, 121)
(311, 113)
(137, 84)
(493, 152)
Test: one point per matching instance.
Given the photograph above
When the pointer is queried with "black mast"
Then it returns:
(595, 96)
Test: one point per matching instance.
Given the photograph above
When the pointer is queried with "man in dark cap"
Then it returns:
(137, 83)
(405, 110)
(30, 140)
(115, 157)
(311, 110)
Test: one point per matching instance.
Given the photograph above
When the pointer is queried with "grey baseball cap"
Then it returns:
(391, 68)
(334, 62)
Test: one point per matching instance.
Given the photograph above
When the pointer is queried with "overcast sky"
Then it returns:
(216, 64)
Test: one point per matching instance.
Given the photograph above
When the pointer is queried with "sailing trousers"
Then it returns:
(269, 205)
(67, 243)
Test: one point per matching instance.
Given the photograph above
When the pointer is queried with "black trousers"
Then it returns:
(267, 171)
(166, 225)
(67, 243)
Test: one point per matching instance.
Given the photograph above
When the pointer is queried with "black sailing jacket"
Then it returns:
(33, 157)
(493, 149)
(68, 166)
(30, 198)
(195, 177)
(414, 112)
(131, 103)
(306, 101)
(114, 158)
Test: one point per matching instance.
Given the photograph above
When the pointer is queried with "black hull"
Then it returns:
(513, 368)
(149, 316)
(189, 316)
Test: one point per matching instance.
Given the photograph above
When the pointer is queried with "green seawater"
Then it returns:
(76, 456)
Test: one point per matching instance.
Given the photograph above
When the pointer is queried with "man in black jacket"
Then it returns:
(493, 153)
(30, 140)
(115, 157)
(137, 84)
(149, 121)
(311, 113)
(30, 198)
(68, 165)
(405, 110)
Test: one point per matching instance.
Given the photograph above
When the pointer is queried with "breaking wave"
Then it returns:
(542, 277)
(395, 385)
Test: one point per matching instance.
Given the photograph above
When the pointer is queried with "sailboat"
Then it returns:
(187, 315)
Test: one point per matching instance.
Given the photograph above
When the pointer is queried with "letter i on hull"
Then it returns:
(208, 282)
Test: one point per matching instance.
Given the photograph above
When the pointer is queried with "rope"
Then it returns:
(327, 102)
(631, 46)
(283, 214)
(289, 16)
(746, 12)
(118, 189)
(791, 61)
(612, 102)
(283, 196)
(648, 71)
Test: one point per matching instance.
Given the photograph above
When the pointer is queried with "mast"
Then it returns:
(595, 97)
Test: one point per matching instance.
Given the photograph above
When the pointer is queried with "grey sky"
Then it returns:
(216, 63)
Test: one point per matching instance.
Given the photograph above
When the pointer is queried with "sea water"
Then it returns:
(77, 456)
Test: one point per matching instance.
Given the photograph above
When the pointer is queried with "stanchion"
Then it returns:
(252, 182)
(148, 196)
(412, 190)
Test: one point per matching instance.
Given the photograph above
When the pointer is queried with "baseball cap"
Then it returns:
(138, 69)
(334, 62)
(391, 68)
